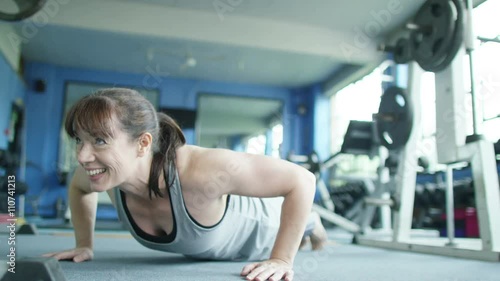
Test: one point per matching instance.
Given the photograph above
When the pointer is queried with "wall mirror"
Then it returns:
(240, 123)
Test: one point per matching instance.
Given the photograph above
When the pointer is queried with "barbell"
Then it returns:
(436, 34)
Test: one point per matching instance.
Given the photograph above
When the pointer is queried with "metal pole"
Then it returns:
(486, 40)
(475, 109)
(469, 41)
(22, 166)
(450, 208)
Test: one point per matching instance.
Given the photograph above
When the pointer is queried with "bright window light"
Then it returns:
(256, 145)
(277, 133)
(358, 101)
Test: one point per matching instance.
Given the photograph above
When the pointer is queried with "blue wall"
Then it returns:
(312, 129)
(44, 114)
(11, 89)
(302, 122)
(321, 122)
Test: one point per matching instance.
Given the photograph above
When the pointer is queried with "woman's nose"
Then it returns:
(85, 154)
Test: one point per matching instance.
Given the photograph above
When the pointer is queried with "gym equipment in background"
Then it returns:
(9, 163)
(402, 51)
(13, 165)
(17, 10)
(37, 268)
(391, 128)
(435, 35)
(454, 147)
(394, 119)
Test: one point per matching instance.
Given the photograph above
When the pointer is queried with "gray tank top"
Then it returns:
(247, 230)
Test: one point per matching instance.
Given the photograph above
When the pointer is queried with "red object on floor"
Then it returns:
(469, 217)
(471, 223)
(4, 218)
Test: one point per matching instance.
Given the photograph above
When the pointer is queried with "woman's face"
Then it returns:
(108, 162)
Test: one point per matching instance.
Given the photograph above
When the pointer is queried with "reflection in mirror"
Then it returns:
(74, 92)
(252, 125)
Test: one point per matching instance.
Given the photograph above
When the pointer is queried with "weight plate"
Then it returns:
(394, 120)
(402, 51)
(439, 33)
(23, 9)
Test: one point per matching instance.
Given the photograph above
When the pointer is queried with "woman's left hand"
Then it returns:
(272, 270)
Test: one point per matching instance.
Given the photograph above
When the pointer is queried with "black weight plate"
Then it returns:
(24, 9)
(439, 36)
(394, 120)
(402, 51)
(457, 41)
(435, 22)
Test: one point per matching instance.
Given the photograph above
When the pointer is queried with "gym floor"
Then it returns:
(118, 257)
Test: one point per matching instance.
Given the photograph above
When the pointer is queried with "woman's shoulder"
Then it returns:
(185, 154)
(196, 158)
(194, 163)
(183, 157)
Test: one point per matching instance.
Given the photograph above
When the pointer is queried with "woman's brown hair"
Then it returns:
(136, 115)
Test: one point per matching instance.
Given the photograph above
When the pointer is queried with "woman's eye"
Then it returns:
(100, 141)
(78, 140)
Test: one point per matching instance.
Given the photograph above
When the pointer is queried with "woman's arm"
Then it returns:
(83, 205)
(263, 176)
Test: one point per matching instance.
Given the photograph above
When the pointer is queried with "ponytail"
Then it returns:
(170, 138)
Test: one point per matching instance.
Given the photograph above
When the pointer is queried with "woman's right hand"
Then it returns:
(76, 255)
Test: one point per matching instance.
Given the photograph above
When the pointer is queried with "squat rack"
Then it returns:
(453, 146)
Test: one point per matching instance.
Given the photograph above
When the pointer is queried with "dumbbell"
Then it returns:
(33, 269)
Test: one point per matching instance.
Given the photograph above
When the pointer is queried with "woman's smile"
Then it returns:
(95, 174)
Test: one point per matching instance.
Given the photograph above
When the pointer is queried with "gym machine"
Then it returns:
(384, 137)
(357, 141)
(13, 187)
(440, 37)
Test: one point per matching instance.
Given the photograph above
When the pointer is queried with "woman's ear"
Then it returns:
(145, 144)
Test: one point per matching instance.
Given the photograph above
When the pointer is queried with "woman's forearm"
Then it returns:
(294, 215)
(83, 212)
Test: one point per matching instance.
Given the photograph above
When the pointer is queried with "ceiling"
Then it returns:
(287, 43)
(284, 43)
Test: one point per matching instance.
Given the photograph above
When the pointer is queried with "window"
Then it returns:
(256, 145)
(487, 76)
(358, 101)
(277, 135)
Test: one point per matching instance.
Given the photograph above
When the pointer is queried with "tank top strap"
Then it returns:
(176, 196)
